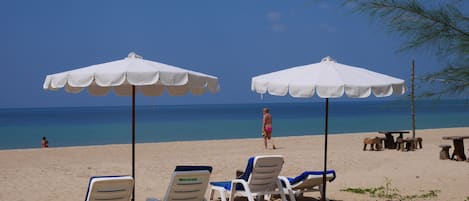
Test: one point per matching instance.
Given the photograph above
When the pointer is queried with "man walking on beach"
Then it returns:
(267, 128)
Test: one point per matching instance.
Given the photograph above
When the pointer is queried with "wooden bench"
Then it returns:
(400, 144)
(408, 144)
(375, 143)
(444, 153)
(458, 142)
(418, 143)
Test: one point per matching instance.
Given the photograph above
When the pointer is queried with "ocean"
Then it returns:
(80, 126)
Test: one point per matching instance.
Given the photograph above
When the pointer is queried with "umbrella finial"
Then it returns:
(134, 56)
(328, 58)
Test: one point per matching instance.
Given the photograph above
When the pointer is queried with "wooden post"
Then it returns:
(412, 106)
(133, 140)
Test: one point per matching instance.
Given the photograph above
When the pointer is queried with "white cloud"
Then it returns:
(274, 16)
(279, 27)
(275, 21)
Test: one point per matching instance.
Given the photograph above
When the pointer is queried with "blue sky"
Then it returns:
(233, 40)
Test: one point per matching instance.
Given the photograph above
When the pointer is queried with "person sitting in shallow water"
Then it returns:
(44, 142)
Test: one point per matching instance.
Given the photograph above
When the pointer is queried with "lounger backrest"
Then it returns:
(308, 180)
(265, 172)
(312, 180)
(188, 183)
(113, 188)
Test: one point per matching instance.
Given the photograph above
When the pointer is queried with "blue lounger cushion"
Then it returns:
(244, 176)
(225, 184)
(192, 168)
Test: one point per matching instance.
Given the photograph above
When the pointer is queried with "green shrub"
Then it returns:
(389, 192)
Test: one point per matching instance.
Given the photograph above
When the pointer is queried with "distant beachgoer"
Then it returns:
(44, 142)
(267, 128)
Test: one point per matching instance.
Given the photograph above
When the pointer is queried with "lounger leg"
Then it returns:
(291, 195)
(212, 192)
(233, 194)
(260, 198)
(282, 195)
(221, 192)
(222, 196)
(322, 193)
(280, 188)
(250, 198)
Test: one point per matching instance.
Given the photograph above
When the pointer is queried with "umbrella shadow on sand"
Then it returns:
(314, 199)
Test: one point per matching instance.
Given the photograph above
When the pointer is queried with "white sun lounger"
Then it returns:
(307, 181)
(188, 183)
(260, 178)
(112, 188)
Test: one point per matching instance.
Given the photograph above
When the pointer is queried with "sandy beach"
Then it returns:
(63, 173)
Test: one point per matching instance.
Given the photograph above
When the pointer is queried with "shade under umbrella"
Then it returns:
(327, 79)
(127, 77)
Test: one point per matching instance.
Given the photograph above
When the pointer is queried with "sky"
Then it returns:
(232, 40)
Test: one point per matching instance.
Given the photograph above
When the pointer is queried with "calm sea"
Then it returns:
(78, 126)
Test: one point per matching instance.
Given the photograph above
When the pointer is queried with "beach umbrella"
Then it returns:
(129, 76)
(327, 79)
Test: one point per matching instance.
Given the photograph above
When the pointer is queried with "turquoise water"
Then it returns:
(78, 126)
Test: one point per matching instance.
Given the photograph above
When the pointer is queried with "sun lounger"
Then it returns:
(188, 183)
(259, 179)
(115, 188)
(307, 181)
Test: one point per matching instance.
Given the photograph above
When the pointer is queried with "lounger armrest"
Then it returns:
(333, 178)
(284, 181)
(234, 184)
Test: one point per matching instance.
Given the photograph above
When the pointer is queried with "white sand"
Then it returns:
(63, 173)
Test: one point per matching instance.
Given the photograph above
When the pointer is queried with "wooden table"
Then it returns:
(389, 143)
(458, 142)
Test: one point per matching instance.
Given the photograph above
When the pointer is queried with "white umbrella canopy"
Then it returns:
(128, 76)
(149, 77)
(327, 79)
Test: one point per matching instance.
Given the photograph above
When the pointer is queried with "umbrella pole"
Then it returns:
(323, 196)
(133, 140)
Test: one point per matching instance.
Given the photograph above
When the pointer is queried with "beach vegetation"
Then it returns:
(439, 28)
(389, 192)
